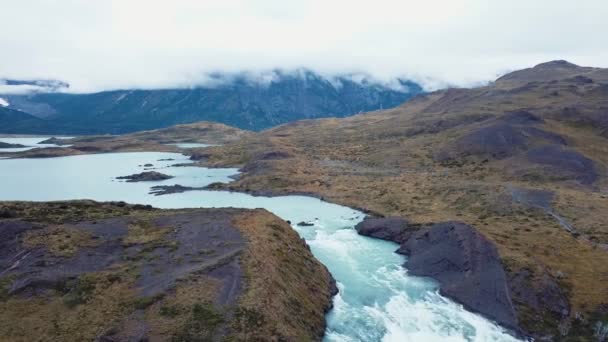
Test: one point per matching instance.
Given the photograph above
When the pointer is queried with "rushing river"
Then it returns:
(378, 300)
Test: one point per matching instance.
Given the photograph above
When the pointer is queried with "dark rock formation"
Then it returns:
(467, 267)
(387, 228)
(465, 263)
(149, 176)
(499, 141)
(55, 141)
(171, 189)
(194, 155)
(36, 268)
(534, 198)
(584, 115)
(536, 133)
(563, 163)
(7, 145)
(521, 117)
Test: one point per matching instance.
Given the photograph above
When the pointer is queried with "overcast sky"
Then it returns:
(99, 44)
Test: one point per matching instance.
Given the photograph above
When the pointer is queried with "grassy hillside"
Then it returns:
(523, 159)
(83, 271)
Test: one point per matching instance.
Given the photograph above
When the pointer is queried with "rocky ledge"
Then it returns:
(465, 263)
(148, 176)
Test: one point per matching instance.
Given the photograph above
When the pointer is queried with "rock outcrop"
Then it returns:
(149, 176)
(465, 263)
(394, 229)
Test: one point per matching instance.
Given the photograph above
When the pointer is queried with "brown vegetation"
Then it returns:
(389, 163)
(81, 271)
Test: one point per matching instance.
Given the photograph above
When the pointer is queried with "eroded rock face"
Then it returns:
(564, 163)
(467, 267)
(465, 263)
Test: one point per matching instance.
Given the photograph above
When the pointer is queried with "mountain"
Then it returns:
(239, 100)
(516, 170)
(497, 192)
(15, 121)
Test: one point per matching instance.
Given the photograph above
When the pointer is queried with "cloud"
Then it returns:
(109, 44)
(21, 89)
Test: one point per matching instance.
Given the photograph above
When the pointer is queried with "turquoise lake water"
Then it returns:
(378, 300)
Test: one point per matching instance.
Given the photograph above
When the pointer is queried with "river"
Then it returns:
(378, 300)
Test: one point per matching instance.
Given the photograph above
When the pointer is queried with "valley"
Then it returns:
(518, 165)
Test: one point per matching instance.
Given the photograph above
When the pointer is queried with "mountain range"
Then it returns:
(240, 100)
(498, 192)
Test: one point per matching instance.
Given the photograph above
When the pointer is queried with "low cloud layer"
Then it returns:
(97, 45)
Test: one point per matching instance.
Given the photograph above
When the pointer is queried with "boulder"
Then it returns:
(385, 228)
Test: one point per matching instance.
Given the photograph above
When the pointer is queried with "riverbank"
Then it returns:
(377, 297)
(143, 284)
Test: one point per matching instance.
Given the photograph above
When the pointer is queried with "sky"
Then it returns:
(106, 44)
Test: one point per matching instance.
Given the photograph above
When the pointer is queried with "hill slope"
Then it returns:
(236, 100)
(524, 160)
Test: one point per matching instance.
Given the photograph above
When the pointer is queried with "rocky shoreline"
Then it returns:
(465, 263)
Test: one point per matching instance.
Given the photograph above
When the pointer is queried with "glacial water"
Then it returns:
(378, 300)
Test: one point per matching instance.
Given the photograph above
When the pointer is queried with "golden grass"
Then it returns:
(143, 231)
(59, 240)
(50, 319)
(287, 289)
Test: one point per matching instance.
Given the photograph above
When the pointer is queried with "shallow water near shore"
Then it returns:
(378, 300)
